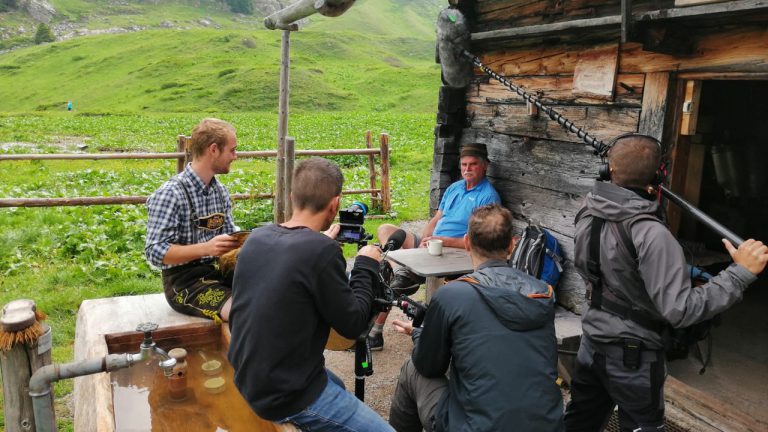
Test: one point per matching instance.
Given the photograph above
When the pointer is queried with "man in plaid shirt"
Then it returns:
(190, 219)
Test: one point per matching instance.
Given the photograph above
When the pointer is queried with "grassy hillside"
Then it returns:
(390, 18)
(205, 69)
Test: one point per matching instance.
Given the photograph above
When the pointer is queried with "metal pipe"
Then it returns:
(40, 383)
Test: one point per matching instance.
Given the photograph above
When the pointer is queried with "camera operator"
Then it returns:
(290, 289)
(495, 328)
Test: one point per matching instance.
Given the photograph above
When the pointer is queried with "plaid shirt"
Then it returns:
(169, 215)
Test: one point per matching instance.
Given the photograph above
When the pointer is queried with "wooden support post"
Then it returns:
(691, 103)
(654, 115)
(282, 128)
(181, 147)
(290, 159)
(17, 367)
(386, 203)
(375, 197)
(659, 118)
(626, 20)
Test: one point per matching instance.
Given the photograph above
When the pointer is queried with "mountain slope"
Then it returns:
(218, 70)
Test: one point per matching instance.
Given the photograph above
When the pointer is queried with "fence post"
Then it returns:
(181, 147)
(290, 158)
(386, 203)
(18, 364)
(375, 197)
(282, 127)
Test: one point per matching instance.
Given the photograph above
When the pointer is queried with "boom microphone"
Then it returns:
(395, 241)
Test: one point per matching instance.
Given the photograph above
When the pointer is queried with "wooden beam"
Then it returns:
(679, 3)
(692, 187)
(545, 29)
(691, 104)
(654, 109)
(595, 73)
(626, 20)
(719, 413)
(717, 10)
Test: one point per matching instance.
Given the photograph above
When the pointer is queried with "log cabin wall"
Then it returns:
(542, 172)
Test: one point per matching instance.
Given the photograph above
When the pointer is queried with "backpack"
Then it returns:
(538, 254)
(677, 341)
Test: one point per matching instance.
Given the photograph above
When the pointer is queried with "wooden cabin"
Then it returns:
(691, 73)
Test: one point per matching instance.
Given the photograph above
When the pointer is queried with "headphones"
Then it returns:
(604, 171)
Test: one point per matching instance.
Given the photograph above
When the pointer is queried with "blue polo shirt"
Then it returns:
(457, 205)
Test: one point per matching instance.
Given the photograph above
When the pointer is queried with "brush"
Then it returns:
(20, 323)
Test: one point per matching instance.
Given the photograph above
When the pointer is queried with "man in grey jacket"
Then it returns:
(495, 328)
(638, 282)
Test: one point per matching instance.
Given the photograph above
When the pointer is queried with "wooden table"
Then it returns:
(453, 261)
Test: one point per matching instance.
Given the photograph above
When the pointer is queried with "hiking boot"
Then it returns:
(376, 343)
(405, 282)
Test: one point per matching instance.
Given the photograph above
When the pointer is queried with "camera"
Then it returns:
(351, 221)
(385, 297)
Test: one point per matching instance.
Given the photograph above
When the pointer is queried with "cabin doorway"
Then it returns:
(720, 164)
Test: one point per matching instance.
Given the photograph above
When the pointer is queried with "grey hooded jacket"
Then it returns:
(658, 282)
(499, 341)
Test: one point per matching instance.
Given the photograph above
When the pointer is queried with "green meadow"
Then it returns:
(370, 69)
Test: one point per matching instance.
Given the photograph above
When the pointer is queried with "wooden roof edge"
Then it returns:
(715, 10)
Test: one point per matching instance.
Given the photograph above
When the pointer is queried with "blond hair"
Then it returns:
(209, 131)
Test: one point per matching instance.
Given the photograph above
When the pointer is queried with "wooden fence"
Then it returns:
(380, 196)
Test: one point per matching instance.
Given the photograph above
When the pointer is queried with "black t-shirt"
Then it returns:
(290, 288)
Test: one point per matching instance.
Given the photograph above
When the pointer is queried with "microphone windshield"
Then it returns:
(396, 240)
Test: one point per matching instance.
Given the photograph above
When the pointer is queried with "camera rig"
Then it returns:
(351, 220)
(384, 298)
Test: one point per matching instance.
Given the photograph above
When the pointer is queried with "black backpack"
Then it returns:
(677, 341)
(539, 254)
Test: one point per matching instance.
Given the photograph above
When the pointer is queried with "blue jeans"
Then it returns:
(337, 410)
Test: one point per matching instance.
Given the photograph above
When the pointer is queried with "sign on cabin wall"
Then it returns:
(595, 73)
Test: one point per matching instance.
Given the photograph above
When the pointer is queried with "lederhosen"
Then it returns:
(198, 288)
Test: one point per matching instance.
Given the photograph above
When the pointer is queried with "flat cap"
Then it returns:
(476, 150)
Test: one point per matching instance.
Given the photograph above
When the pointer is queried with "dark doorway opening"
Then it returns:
(732, 164)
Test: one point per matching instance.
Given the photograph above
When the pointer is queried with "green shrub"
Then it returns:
(44, 34)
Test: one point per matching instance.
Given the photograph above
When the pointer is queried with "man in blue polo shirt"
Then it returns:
(449, 223)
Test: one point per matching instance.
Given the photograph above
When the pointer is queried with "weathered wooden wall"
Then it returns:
(542, 172)
(495, 14)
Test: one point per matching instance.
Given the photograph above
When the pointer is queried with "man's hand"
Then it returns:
(371, 252)
(221, 244)
(403, 326)
(333, 231)
(752, 255)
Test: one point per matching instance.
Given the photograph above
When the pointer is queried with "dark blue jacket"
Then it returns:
(499, 339)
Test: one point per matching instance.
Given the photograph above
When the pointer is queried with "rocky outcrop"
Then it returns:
(40, 10)
(268, 7)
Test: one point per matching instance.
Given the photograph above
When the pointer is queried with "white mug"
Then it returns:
(435, 247)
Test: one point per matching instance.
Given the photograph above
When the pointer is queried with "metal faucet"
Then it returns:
(40, 383)
(149, 349)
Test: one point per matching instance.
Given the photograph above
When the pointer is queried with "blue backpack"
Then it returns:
(538, 254)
